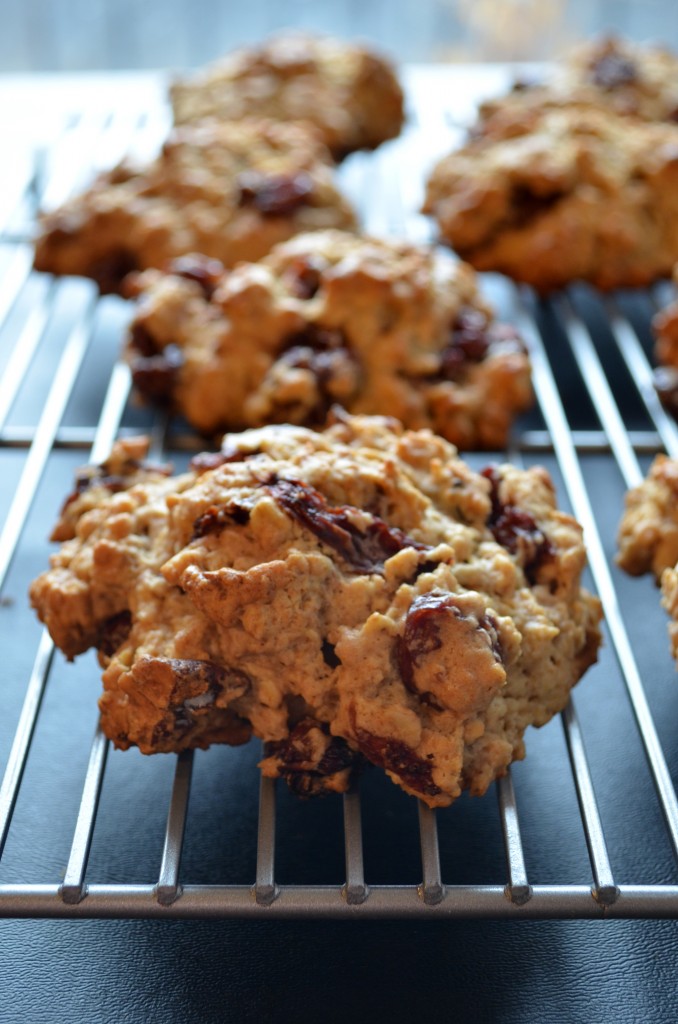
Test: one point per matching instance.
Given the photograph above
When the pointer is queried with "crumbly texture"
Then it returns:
(328, 317)
(349, 93)
(665, 376)
(559, 195)
(353, 596)
(229, 190)
(615, 74)
(648, 532)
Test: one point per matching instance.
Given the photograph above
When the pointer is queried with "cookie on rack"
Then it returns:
(351, 596)
(648, 534)
(229, 190)
(349, 93)
(329, 317)
(563, 194)
(616, 74)
(665, 325)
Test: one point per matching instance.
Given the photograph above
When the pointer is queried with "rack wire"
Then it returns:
(387, 187)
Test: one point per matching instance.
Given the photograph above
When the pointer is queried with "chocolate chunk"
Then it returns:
(113, 633)
(219, 516)
(612, 70)
(365, 550)
(517, 531)
(155, 376)
(203, 270)
(275, 195)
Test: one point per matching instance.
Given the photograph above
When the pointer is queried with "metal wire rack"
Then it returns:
(597, 418)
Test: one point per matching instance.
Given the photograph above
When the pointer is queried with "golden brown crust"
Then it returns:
(562, 194)
(611, 73)
(229, 190)
(376, 327)
(358, 594)
(350, 94)
(648, 532)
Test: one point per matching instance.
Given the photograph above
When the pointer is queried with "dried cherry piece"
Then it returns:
(303, 277)
(204, 270)
(155, 376)
(113, 632)
(365, 550)
(396, 756)
(517, 530)
(309, 755)
(218, 516)
(206, 461)
(274, 195)
(665, 380)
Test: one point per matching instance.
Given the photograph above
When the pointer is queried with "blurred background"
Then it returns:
(76, 35)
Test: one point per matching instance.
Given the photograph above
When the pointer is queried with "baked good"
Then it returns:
(648, 534)
(563, 194)
(627, 78)
(328, 317)
(229, 190)
(349, 93)
(354, 595)
(665, 376)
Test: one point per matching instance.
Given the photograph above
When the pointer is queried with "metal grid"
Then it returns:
(387, 187)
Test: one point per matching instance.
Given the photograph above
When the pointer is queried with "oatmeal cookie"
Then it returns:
(648, 532)
(328, 317)
(349, 93)
(561, 195)
(624, 77)
(352, 596)
(229, 190)
(665, 325)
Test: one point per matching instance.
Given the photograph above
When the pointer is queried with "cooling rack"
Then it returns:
(64, 397)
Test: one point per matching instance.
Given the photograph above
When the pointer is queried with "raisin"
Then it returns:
(213, 460)
(142, 341)
(365, 550)
(329, 655)
(397, 757)
(275, 195)
(471, 339)
(612, 70)
(517, 531)
(215, 680)
(203, 270)
(303, 278)
(299, 763)
(110, 270)
(113, 632)
(218, 516)
(155, 376)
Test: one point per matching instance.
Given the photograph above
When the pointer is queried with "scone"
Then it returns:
(648, 534)
(353, 596)
(229, 190)
(562, 195)
(612, 73)
(348, 92)
(328, 317)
